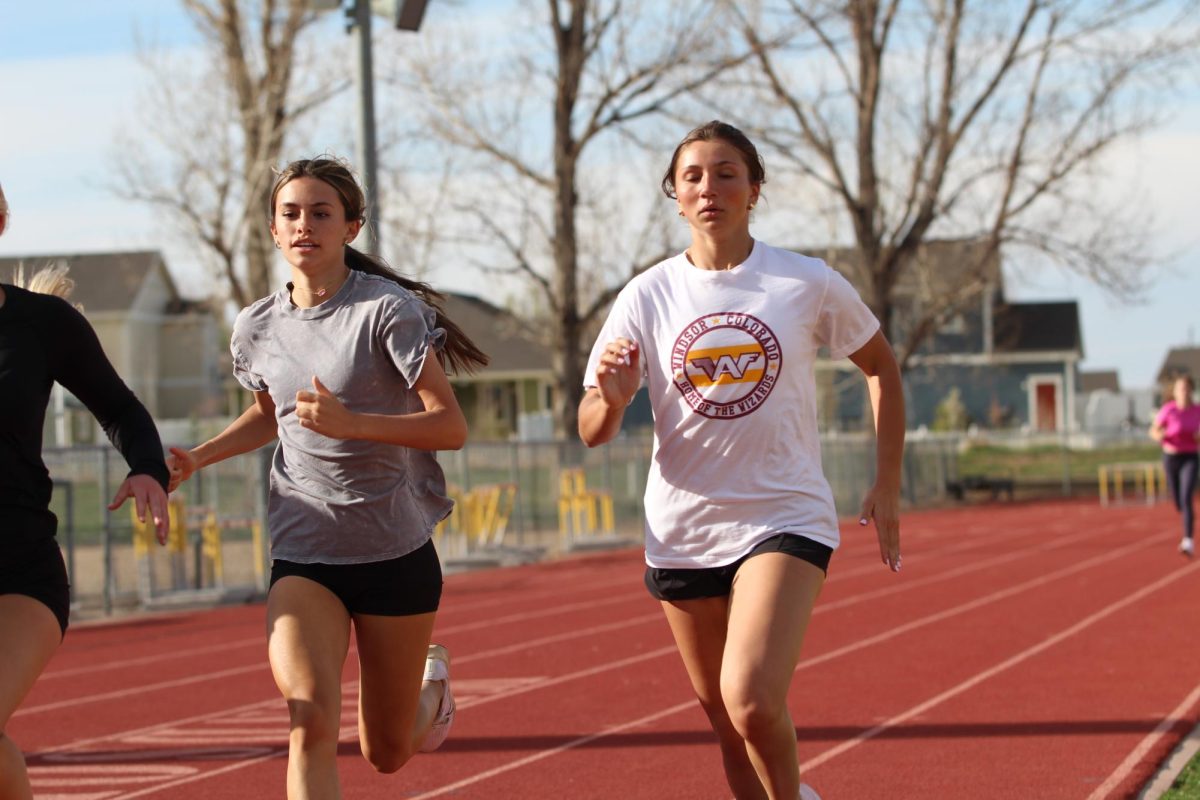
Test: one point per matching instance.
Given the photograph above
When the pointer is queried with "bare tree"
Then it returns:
(579, 83)
(220, 133)
(979, 120)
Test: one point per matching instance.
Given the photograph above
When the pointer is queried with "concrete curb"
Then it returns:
(1170, 769)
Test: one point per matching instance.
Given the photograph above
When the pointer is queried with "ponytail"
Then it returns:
(460, 354)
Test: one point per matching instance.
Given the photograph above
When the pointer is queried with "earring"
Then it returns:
(750, 207)
(278, 246)
(681, 212)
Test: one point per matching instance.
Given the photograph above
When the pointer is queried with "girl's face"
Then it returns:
(310, 224)
(712, 184)
(1183, 393)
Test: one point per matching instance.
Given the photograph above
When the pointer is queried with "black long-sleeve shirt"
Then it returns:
(43, 340)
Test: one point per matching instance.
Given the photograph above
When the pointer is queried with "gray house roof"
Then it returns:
(1097, 380)
(103, 281)
(1026, 327)
(1180, 361)
(509, 343)
(937, 266)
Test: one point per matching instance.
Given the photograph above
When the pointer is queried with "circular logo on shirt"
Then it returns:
(726, 364)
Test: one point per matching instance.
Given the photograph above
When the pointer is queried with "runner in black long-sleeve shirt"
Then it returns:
(43, 340)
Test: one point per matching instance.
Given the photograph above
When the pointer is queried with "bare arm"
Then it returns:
(253, 429)
(882, 502)
(441, 426)
(617, 379)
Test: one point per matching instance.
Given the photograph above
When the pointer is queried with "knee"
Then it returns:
(316, 725)
(753, 710)
(387, 756)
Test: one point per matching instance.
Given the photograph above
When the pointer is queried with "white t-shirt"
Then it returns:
(728, 359)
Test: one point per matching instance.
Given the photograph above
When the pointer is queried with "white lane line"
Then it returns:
(807, 663)
(552, 611)
(515, 618)
(670, 649)
(1008, 663)
(1138, 753)
(682, 707)
(75, 702)
(281, 751)
(543, 754)
(142, 661)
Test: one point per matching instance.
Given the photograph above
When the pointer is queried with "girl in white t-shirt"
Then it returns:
(740, 521)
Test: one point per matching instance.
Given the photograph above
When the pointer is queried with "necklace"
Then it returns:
(321, 291)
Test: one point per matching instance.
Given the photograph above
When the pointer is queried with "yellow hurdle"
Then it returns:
(579, 507)
(144, 539)
(1146, 478)
(210, 537)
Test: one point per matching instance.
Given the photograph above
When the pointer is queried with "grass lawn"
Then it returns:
(1049, 462)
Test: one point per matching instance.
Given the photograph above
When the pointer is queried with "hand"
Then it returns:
(883, 505)
(619, 374)
(181, 464)
(146, 493)
(320, 411)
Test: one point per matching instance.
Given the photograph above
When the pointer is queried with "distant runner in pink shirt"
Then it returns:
(1177, 428)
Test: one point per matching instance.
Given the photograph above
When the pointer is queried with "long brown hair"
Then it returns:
(460, 354)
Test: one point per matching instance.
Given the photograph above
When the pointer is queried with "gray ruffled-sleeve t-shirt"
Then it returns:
(336, 501)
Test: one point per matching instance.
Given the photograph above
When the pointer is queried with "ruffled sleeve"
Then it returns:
(409, 333)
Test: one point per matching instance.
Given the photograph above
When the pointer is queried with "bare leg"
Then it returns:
(30, 634)
(769, 610)
(308, 636)
(395, 709)
(699, 628)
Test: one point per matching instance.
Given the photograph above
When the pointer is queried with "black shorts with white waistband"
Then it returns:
(397, 587)
(694, 584)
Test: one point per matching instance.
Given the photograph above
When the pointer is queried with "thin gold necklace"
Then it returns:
(321, 292)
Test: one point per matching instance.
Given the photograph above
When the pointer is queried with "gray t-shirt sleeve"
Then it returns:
(238, 347)
(407, 334)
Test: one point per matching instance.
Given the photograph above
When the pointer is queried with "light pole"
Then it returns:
(360, 25)
(405, 15)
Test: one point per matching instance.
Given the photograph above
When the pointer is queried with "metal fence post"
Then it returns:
(106, 533)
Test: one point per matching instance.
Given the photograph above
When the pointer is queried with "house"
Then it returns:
(1180, 361)
(1103, 380)
(510, 397)
(170, 351)
(1007, 364)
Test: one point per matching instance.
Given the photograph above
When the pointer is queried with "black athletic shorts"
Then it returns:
(694, 584)
(35, 568)
(398, 587)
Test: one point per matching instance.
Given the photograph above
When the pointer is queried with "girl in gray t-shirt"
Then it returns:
(339, 365)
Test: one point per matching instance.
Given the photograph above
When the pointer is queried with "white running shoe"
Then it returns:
(808, 793)
(1186, 546)
(437, 668)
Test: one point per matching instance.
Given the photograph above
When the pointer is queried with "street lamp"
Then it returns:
(405, 15)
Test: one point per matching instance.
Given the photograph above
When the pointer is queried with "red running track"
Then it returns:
(1026, 651)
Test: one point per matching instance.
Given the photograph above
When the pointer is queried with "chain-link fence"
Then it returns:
(515, 501)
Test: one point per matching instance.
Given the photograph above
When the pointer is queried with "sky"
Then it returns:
(68, 78)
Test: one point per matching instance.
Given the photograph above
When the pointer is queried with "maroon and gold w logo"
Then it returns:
(735, 365)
